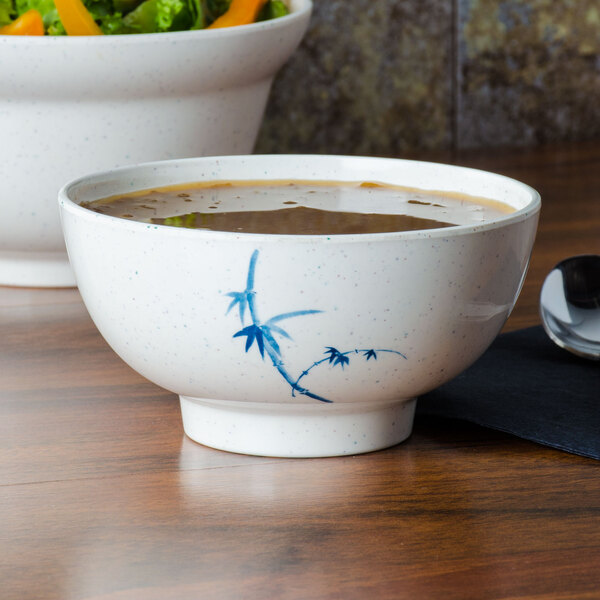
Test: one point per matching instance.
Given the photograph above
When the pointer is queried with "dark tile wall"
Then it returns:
(385, 77)
(371, 77)
(528, 71)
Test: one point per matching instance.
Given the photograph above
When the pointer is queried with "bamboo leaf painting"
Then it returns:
(263, 335)
(370, 354)
(252, 332)
(239, 298)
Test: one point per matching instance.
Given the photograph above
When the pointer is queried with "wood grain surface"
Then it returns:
(103, 497)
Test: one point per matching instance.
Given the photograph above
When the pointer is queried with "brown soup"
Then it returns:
(300, 207)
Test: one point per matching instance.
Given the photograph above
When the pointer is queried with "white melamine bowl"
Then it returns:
(378, 318)
(72, 105)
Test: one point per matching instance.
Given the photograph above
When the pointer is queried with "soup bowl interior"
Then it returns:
(298, 345)
(73, 105)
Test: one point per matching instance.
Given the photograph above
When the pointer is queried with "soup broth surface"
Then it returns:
(300, 207)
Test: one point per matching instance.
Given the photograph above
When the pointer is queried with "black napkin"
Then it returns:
(527, 386)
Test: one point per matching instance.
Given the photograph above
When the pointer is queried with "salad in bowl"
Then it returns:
(110, 17)
(72, 103)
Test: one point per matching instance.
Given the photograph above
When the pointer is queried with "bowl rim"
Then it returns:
(299, 10)
(531, 209)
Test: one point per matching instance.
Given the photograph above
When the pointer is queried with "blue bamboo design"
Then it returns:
(263, 334)
(341, 358)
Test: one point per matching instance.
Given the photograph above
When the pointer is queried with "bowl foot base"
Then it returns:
(36, 269)
(296, 430)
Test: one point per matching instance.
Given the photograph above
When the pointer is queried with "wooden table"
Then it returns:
(102, 496)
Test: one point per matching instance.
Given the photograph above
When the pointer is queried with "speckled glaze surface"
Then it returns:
(69, 106)
(298, 345)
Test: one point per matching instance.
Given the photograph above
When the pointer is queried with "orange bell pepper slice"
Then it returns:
(29, 23)
(240, 12)
(75, 18)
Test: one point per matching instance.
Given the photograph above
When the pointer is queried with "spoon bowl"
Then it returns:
(570, 305)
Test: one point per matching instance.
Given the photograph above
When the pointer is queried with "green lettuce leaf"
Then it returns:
(125, 6)
(173, 15)
(215, 8)
(142, 19)
(103, 12)
(153, 16)
(7, 12)
(198, 14)
(136, 16)
(272, 10)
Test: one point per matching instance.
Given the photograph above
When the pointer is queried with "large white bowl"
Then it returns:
(73, 105)
(399, 313)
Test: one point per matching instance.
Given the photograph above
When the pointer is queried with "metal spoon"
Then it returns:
(570, 305)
